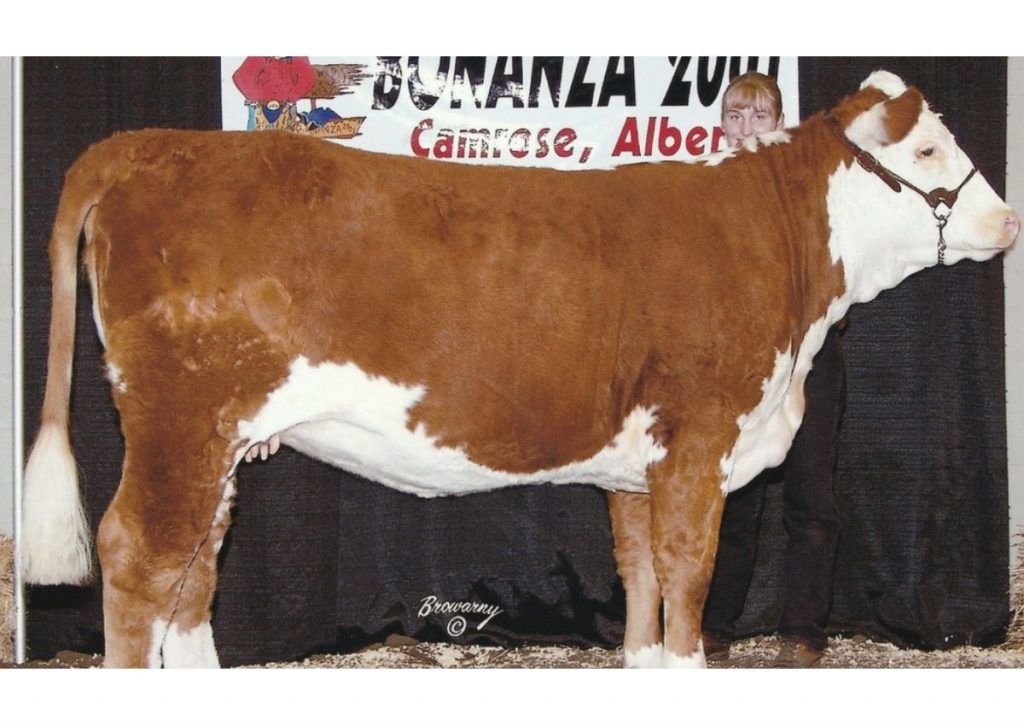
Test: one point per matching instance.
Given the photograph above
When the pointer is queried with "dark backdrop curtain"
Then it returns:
(318, 560)
(921, 482)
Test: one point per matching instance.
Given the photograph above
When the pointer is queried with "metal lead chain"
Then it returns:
(941, 220)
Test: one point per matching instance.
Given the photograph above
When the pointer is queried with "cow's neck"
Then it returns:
(820, 279)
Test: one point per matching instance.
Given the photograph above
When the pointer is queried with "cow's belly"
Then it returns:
(358, 422)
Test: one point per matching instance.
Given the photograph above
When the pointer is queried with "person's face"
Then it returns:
(740, 123)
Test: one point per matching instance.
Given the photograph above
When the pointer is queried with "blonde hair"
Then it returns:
(753, 90)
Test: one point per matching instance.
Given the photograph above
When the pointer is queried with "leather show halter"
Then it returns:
(939, 199)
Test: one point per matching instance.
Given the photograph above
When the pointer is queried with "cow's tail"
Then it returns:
(55, 543)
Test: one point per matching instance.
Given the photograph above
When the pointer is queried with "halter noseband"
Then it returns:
(935, 198)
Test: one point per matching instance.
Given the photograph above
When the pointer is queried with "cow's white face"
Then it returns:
(883, 236)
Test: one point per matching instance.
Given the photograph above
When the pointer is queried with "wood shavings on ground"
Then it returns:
(756, 652)
(8, 617)
(1015, 634)
(753, 653)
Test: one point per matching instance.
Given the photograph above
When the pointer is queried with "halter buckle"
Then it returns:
(867, 161)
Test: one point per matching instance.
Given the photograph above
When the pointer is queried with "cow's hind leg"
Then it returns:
(158, 545)
(631, 527)
(686, 512)
(183, 385)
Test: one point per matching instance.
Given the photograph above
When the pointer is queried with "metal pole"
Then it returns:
(18, 308)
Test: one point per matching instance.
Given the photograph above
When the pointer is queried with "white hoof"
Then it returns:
(690, 662)
(193, 648)
(646, 657)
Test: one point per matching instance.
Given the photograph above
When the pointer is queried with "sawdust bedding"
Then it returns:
(756, 652)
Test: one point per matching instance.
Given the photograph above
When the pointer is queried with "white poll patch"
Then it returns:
(889, 83)
(341, 415)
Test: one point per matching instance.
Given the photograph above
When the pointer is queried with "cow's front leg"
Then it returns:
(631, 526)
(686, 512)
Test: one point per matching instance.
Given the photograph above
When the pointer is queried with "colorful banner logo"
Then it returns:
(555, 111)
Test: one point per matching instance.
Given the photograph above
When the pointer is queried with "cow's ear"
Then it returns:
(902, 113)
(888, 121)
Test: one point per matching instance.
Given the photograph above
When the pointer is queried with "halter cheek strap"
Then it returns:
(939, 199)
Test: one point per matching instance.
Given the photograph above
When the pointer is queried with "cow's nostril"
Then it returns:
(1012, 224)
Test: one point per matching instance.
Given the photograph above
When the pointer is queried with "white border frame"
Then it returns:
(1014, 274)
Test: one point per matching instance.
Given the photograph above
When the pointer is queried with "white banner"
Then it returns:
(563, 112)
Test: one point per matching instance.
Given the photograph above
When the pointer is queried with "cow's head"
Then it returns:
(886, 221)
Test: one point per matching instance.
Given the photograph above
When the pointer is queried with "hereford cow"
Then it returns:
(445, 329)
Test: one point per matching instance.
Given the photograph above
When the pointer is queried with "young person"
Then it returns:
(752, 105)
